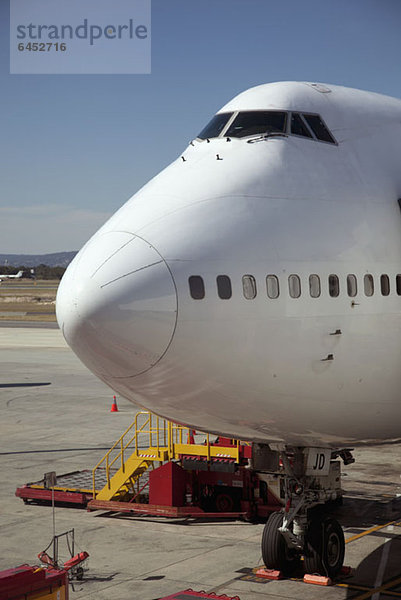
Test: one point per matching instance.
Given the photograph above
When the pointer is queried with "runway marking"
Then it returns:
(382, 567)
(375, 592)
(352, 586)
(383, 588)
(371, 530)
(369, 590)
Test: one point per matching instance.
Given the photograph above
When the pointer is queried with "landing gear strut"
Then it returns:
(301, 528)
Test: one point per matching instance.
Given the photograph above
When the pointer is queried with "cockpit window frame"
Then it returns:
(253, 135)
(287, 129)
(293, 113)
(230, 120)
(334, 143)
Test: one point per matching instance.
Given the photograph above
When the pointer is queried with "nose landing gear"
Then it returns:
(302, 529)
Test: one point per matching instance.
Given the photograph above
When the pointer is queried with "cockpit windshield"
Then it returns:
(257, 122)
(264, 123)
(215, 126)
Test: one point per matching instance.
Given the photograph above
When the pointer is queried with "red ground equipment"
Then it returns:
(160, 468)
(192, 595)
(26, 582)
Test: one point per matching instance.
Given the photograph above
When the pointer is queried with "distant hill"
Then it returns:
(58, 259)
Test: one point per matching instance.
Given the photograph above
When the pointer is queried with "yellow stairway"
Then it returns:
(125, 478)
(147, 440)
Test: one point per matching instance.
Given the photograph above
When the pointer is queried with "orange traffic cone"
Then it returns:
(114, 405)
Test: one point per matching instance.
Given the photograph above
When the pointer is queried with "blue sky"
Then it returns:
(74, 148)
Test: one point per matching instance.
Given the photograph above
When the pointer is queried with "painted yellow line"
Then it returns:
(382, 588)
(362, 588)
(369, 591)
(391, 593)
(368, 531)
(354, 587)
(351, 586)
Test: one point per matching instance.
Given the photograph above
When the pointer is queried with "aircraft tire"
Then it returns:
(325, 547)
(275, 553)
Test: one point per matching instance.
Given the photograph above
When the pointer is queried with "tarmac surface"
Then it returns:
(55, 416)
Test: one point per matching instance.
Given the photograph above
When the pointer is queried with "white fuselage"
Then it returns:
(284, 205)
(6, 276)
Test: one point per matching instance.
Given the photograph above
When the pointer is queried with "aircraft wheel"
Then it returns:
(275, 552)
(325, 547)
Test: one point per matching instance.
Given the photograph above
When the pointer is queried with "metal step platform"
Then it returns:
(72, 488)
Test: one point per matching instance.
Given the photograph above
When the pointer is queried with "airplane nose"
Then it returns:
(117, 305)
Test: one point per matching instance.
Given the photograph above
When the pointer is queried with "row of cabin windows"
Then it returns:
(249, 288)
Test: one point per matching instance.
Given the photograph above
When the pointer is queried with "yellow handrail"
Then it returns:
(146, 427)
(119, 442)
(164, 438)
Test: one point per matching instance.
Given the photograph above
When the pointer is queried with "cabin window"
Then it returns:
(298, 127)
(224, 287)
(385, 285)
(249, 287)
(257, 122)
(352, 286)
(272, 287)
(334, 286)
(319, 128)
(196, 287)
(215, 126)
(314, 286)
(398, 284)
(368, 285)
(294, 286)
